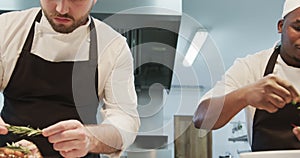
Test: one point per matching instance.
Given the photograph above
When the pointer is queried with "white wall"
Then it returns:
(237, 27)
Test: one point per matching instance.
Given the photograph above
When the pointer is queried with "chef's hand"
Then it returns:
(29, 145)
(296, 131)
(271, 93)
(3, 129)
(69, 137)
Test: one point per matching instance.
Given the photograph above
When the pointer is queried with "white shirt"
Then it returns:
(61, 48)
(248, 70)
(115, 63)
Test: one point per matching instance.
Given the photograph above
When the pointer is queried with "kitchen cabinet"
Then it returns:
(189, 141)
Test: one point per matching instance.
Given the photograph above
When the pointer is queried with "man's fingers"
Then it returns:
(68, 135)
(296, 131)
(3, 129)
(276, 100)
(60, 127)
(269, 107)
(292, 90)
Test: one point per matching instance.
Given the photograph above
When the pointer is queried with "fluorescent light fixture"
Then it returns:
(195, 46)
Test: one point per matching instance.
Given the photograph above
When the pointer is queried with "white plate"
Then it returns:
(272, 154)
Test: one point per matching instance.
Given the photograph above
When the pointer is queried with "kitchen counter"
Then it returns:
(272, 154)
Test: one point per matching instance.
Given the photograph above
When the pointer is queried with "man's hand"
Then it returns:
(270, 93)
(69, 137)
(3, 129)
(296, 131)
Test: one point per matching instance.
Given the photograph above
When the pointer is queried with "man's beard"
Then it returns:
(66, 29)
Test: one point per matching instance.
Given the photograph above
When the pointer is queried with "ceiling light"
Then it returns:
(195, 46)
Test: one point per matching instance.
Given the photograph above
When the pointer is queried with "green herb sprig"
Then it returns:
(294, 102)
(24, 131)
(16, 147)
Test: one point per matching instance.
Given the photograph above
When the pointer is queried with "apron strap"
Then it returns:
(93, 53)
(93, 46)
(30, 36)
(271, 63)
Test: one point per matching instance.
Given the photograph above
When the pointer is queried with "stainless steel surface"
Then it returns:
(18, 4)
(149, 146)
(171, 7)
(168, 7)
(243, 138)
(149, 142)
(162, 153)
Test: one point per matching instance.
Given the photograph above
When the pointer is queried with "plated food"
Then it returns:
(21, 149)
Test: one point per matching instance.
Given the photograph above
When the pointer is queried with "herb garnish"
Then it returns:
(16, 147)
(24, 131)
(296, 104)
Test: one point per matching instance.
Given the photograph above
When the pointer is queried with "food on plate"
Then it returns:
(21, 149)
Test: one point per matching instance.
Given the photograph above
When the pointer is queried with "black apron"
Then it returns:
(273, 131)
(41, 93)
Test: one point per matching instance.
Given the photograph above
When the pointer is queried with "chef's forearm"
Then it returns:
(104, 139)
(218, 111)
